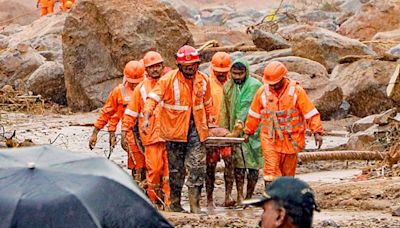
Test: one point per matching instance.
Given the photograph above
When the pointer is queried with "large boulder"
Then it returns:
(48, 81)
(43, 35)
(18, 12)
(17, 64)
(364, 85)
(389, 35)
(376, 16)
(100, 37)
(268, 41)
(224, 36)
(395, 51)
(327, 47)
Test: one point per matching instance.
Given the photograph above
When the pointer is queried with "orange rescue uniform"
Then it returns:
(217, 92)
(181, 98)
(63, 7)
(47, 7)
(284, 118)
(113, 111)
(155, 151)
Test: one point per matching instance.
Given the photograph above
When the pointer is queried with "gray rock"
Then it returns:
(100, 37)
(268, 41)
(48, 81)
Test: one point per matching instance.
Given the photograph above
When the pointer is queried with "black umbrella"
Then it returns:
(49, 187)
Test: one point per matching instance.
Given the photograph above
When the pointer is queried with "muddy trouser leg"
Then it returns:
(196, 165)
(176, 163)
(252, 178)
(239, 178)
(210, 180)
(229, 178)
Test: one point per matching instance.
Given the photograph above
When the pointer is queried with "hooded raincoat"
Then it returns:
(235, 106)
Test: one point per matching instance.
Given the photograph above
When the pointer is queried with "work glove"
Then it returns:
(93, 138)
(37, 5)
(237, 129)
(124, 141)
(318, 140)
(112, 139)
(246, 137)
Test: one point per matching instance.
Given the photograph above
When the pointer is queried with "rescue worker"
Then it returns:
(154, 146)
(46, 7)
(184, 116)
(220, 67)
(238, 95)
(66, 5)
(284, 111)
(113, 110)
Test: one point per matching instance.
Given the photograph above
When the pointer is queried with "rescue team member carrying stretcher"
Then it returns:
(284, 111)
(113, 111)
(186, 103)
(154, 145)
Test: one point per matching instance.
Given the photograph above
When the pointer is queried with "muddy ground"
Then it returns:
(345, 200)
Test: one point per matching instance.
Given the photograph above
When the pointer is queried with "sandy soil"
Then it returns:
(345, 202)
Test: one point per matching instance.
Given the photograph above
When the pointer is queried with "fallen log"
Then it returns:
(340, 155)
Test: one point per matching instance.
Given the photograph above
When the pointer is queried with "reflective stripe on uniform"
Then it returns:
(264, 100)
(311, 114)
(177, 93)
(294, 99)
(292, 89)
(154, 97)
(208, 102)
(143, 93)
(254, 114)
(198, 107)
(204, 87)
(176, 107)
(131, 113)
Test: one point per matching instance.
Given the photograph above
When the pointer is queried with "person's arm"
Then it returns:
(311, 115)
(224, 113)
(254, 115)
(208, 102)
(153, 99)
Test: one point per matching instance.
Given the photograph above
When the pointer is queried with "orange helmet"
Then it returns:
(134, 72)
(152, 58)
(68, 4)
(221, 62)
(274, 72)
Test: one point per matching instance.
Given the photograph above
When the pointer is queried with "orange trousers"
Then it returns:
(278, 164)
(157, 169)
(138, 160)
(47, 10)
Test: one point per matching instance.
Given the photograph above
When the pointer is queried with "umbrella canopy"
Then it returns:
(50, 187)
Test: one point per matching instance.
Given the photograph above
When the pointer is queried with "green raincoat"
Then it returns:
(235, 106)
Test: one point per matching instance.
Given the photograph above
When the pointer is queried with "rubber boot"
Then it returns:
(229, 178)
(210, 181)
(176, 201)
(252, 178)
(194, 200)
(239, 177)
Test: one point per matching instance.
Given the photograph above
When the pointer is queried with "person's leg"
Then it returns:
(136, 159)
(212, 159)
(196, 166)
(289, 164)
(154, 165)
(176, 162)
(239, 178)
(165, 177)
(252, 178)
(229, 176)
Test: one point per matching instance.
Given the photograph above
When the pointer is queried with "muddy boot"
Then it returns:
(229, 177)
(194, 200)
(239, 177)
(252, 178)
(210, 180)
(176, 202)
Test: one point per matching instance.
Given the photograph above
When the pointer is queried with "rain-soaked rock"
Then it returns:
(48, 81)
(327, 100)
(393, 88)
(376, 16)
(327, 47)
(363, 140)
(395, 51)
(224, 36)
(17, 12)
(100, 37)
(268, 41)
(389, 35)
(18, 63)
(364, 85)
